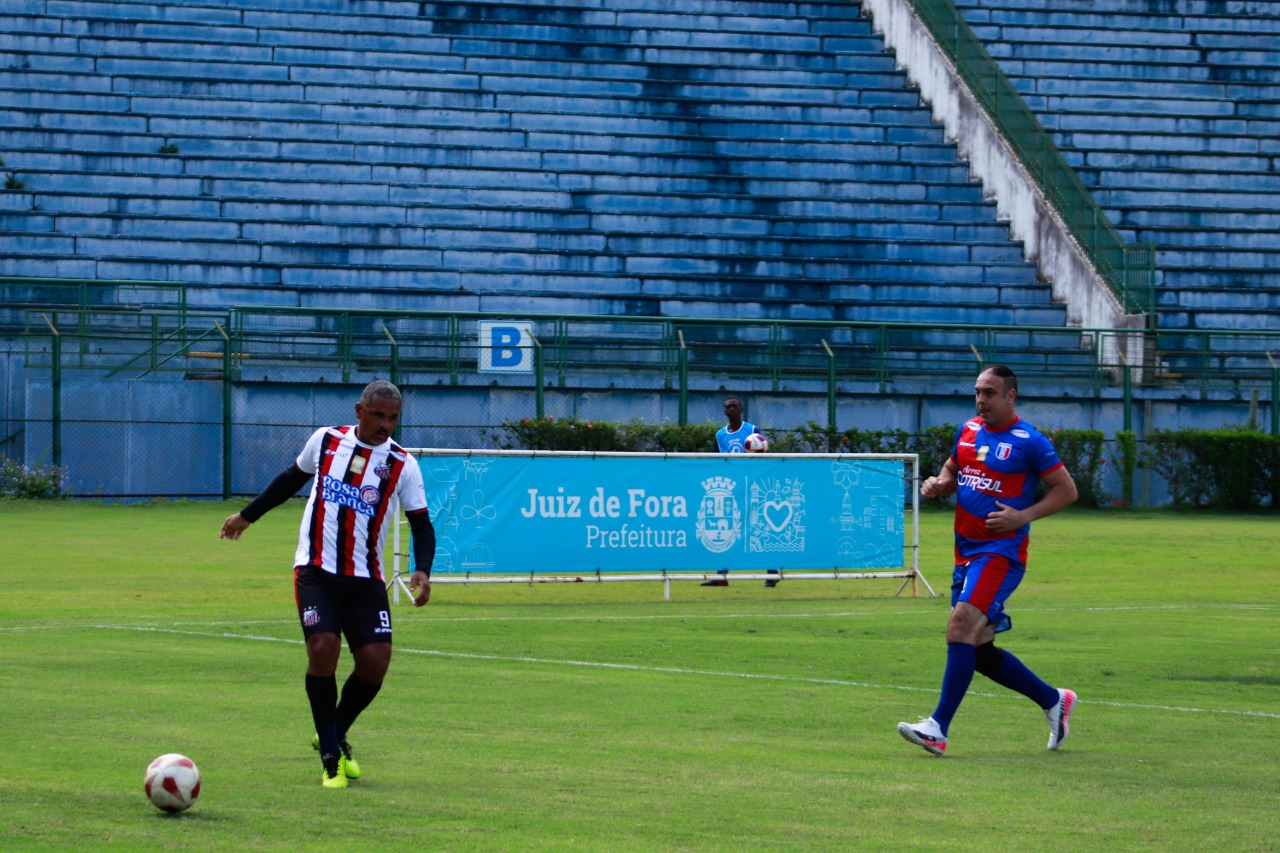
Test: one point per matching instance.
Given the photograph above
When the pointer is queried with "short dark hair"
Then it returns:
(1006, 373)
(380, 388)
(729, 400)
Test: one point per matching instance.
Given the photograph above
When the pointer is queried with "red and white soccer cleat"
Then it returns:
(926, 733)
(1059, 716)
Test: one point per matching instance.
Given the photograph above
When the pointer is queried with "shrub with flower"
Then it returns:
(34, 481)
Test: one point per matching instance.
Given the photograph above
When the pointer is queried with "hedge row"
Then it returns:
(1229, 468)
(1081, 450)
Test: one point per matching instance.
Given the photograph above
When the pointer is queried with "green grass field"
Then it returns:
(599, 717)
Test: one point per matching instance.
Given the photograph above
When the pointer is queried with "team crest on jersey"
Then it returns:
(982, 453)
(1003, 450)
(310, 617)
(382, 471)
(370, 494)
(719, 517)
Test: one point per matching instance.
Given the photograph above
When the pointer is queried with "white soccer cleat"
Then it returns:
(926, 733)
(1059, 716)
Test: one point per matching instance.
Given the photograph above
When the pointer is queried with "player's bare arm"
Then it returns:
(943, 484)
(1060, 492)
(234, 526)
(420, 586)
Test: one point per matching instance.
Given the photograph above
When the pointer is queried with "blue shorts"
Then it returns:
(986, 582)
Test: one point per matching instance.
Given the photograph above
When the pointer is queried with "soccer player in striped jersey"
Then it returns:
(995, 469)
(357, 474)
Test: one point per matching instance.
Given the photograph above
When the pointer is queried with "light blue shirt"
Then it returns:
(732, 442)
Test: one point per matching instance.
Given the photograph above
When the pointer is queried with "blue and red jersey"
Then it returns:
(1004, 466)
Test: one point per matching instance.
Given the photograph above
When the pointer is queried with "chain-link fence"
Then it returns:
(185, 403)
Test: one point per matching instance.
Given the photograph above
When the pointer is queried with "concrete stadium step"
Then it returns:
(1231, 299)
(1165, 142)
(620, 43)
(1239, 321)
(1259, 8)
(1186, 180)
(1125, 88)
(1149, 71)
(412, 8)
(564, 239)
(1238, 259)
(899, 265)
(1241, 238)
(635, 193)
(1234, 276)
(471, 127)
(1137, 123)
(1168, 18)
(1225, 199)
(1132, 105)
(316, 158)
(888, 223)
(379, 85)
(1191, 217)
(1161, 161)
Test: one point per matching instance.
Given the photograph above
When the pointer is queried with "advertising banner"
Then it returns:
(583, 513)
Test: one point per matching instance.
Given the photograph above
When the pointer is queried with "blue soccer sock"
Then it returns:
(1014, 674)
(955, 681)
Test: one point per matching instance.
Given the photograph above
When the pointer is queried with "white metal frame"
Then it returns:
(399, 579)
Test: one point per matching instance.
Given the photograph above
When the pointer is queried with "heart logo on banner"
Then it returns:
(777, 514)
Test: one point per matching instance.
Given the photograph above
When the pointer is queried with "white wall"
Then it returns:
(1018, 199)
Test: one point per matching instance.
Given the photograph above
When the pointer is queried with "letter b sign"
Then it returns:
(506, 346)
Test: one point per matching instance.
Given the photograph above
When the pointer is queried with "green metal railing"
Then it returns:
(1127, 268)
(438, 354)
(443, 348)
(86, 294)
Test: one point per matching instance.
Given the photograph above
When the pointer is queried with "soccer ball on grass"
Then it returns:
(756, 443)
(172, 782)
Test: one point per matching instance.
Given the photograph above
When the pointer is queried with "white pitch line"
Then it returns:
(630, 667)
(708, 616)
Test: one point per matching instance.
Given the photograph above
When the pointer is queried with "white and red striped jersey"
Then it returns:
(345, 523)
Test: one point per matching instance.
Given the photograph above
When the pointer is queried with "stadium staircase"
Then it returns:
(1170, 112)
(752, 159)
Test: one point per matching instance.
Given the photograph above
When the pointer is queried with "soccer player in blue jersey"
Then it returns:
(995, 469)
(731, 438)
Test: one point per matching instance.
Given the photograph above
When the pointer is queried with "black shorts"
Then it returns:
(336, 604)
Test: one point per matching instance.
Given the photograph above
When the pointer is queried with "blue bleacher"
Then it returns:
(676, 157)
(1170, 113)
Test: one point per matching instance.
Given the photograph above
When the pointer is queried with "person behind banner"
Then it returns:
(995, 470)
(357, 474)
(732, 438)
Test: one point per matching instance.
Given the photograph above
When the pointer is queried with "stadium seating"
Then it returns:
(1170, 112)
(703, 158)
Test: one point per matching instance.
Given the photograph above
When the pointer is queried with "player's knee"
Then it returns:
(965, 625)
(372, 662)
(986, 658)
(323, 651)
